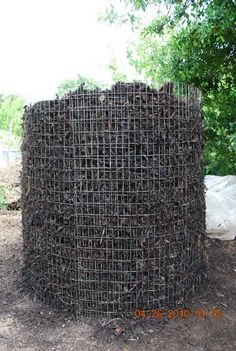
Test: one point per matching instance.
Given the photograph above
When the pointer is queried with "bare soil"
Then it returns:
(28, 325)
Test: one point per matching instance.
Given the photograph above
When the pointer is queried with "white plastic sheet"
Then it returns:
(221, 207)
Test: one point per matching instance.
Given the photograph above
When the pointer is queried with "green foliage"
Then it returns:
(72, 84)
(2, 198)
(117, 76)
(11, 111)
(115, 16)
(195, 42)
(110, 15)
(220, 132)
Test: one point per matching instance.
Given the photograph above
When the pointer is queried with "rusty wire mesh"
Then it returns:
(113, 198)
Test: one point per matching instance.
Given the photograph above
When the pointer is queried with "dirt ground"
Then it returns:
(31, 326)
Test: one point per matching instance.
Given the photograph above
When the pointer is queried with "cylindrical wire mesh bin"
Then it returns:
(113, 198)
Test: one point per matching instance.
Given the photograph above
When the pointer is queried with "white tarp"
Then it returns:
(221, 207)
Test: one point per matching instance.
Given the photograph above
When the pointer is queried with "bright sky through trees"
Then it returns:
(46, 41)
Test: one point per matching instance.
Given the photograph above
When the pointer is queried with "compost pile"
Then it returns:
(113, 198)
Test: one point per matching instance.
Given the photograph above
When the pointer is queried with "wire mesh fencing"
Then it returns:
(113, 198)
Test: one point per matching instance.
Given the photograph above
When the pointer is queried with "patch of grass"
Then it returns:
(3, 192)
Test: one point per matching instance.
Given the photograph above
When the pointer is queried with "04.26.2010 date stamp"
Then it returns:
(199, 313)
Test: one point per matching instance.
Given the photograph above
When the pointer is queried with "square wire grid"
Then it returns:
(113, 198)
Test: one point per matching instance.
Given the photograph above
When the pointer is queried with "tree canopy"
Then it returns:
(11, 112)
(71, 84)
(194, 41)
